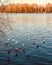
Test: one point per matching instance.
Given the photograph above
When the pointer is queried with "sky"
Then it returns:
(29, 1)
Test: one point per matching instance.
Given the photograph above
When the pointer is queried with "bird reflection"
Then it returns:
(9, 52)
(8, 60)
(28, 38)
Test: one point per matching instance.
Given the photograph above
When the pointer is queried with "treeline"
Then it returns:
(26, 8)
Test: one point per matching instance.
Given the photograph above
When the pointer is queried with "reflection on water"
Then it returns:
(28, 36)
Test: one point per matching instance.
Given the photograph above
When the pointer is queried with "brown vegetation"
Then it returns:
(7, 9)
(26, 8)
(41, 9)
(48, 8)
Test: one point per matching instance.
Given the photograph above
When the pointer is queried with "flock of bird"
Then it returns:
(16, 49)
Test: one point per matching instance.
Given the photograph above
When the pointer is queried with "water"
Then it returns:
(26, 31)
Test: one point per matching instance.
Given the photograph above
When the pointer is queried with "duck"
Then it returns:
(28, 56)
(16, 55)
(17, 49)
(37, 46)
(24, 50)
(43, 39)
(7, 44)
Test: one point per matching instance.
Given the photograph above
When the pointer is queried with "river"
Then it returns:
(26, 31)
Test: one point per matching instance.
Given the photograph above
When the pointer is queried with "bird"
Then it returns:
(17, 49)
(43, 39)
(7, 44)
(28, 56)
(16, 54)
(24, 50)
(37, 46)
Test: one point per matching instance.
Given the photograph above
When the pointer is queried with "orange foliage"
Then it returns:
(29, 9)
(13, 8)
(7, 8)
(48, 8)
(26, 8)
(51, 7)
(19, 8)
(41, 9)
(35, 8)
(2, 9)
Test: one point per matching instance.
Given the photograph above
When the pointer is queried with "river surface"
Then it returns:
(26, 31)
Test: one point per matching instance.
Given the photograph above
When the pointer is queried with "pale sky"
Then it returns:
(29, 1)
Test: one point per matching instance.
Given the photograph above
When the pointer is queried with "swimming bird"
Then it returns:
(16, 54)
(28, 56)
(36, 42)
(43, 39)
(24, 50)
(37, 46)
(17, 49)
(7, 44)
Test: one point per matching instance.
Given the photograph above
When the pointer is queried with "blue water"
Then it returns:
(26, 31)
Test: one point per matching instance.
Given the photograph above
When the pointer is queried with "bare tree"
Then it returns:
(6, 14)
(5, 21)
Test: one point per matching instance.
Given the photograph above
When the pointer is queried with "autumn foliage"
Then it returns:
(26, 8)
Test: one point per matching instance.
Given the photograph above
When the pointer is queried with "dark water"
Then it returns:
(26, 31)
